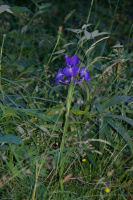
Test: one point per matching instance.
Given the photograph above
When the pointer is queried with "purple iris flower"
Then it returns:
(72, 70)
(84, 73)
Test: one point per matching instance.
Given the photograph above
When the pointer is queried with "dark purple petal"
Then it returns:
(75, 70)
(59, 76)
(84, 73)
(74, 60)
(57, 80)
(67, 61)
(70, 71)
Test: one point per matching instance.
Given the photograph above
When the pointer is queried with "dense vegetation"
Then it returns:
(66, 140)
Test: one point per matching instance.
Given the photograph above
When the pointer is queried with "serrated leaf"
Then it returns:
(5, 8)
(85, 26)
(91, 35)
(96, 33)
(122, 131)
(88, 35)
(10, 139)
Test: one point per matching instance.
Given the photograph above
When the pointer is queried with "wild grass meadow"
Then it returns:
(66, 100)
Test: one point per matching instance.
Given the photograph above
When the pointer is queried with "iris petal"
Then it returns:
(59, 76)
(67, 61)
(74, 60)
(70, 71)
(84, 73)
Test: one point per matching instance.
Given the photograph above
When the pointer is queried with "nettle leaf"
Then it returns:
(92, 35)
(5, 8)
(86, 26)
(122, 131)
(96, 33)
(10, 139)
(88, 35)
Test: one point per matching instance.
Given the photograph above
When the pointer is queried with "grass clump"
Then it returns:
(65, 141)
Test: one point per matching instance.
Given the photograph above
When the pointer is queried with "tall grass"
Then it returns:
(42, 155)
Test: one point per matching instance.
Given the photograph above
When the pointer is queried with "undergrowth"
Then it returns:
(95, 159)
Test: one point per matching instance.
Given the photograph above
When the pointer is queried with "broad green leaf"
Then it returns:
(36, 113)
(77, 112)
(126, 119)
(116, 100)
(10, 139)
(20, 10)
(54, 110)
(105, 132)
(122, 131)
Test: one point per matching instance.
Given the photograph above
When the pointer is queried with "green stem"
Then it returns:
(1, 52)
(68, 105)
(57, 42)
(88, 18)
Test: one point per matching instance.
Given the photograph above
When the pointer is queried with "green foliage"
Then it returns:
(32, 107)
(10, 139)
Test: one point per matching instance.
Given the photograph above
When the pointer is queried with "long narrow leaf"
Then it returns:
(122, 131)
(126, 119)
(116, 100)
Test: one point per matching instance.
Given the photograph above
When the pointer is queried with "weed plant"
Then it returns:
(64, 140)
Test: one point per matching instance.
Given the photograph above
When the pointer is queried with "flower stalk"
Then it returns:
(68, 106)
(70, 75)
